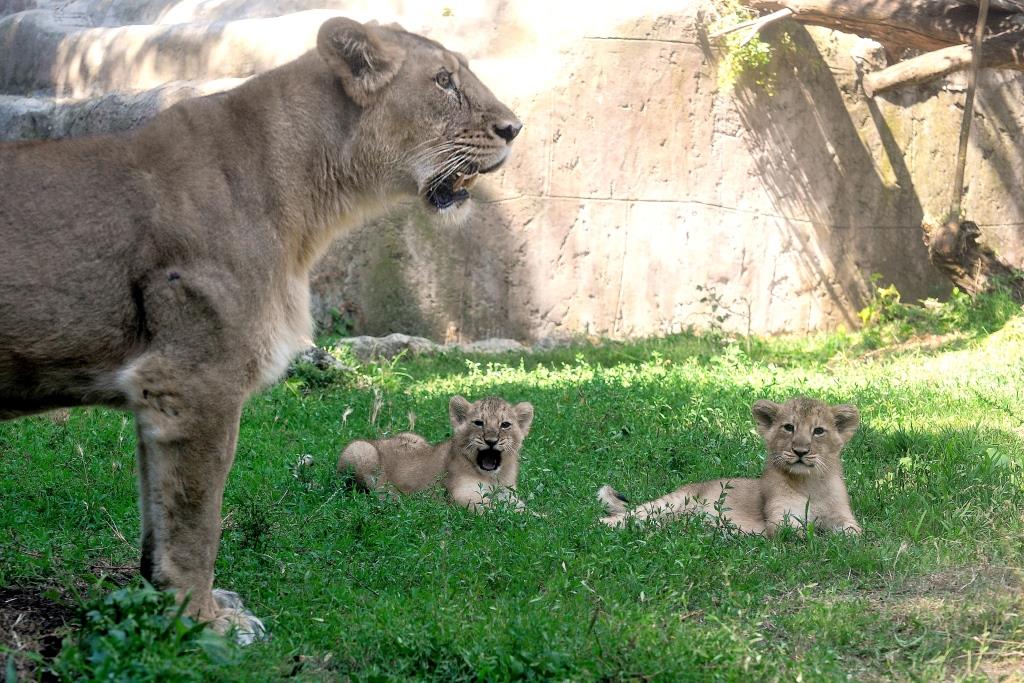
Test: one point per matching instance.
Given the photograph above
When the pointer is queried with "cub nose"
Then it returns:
(490, 441)
(508, 130)
(801, 452)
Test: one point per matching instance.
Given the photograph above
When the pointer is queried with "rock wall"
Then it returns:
(639, 193)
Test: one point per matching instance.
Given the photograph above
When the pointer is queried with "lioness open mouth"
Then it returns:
(488, 459)
(453, 188)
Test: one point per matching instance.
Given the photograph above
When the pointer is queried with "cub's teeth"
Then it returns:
(469, 182)
(460, 180)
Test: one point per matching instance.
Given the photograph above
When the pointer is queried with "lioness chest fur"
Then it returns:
(802, 480)
(166, 270)
(478, 465)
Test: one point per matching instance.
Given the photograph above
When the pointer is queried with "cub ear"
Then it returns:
(394, 25)
(524, 416)
(360, 55)
(458, 410)
(764, 413)
(847, 419)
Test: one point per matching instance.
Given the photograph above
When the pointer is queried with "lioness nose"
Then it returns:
(801, 452)
(490, 441)
(508, 130)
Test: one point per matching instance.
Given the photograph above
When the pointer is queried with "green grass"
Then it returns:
(415, 589)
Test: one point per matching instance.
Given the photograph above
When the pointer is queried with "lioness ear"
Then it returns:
(360, 55)
(847, 419)
(764, 413)
(524, 416)
(458, 410)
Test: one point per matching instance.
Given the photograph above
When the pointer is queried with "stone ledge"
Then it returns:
(367, 348)
(34, 118)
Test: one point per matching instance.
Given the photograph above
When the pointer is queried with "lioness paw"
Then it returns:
(232, 617)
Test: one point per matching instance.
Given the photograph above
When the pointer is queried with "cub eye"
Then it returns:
(444, 79)
(478, 423)
(818, 431)
(506, 425)
(788, 427)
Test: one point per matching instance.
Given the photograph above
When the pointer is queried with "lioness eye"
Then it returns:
(788, 427)
(506, 425)
(478, 423)
(444, 79)
(818, 431)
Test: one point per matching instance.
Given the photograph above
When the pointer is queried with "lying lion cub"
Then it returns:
(802, 479)
(479, 464)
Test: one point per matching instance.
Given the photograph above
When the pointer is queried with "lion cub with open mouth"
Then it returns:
(478, 465)
(802, 480)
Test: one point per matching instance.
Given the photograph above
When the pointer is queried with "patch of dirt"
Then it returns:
(30, 622)
(959, 587)
(975, 604)
(920, 343)
(118, 574)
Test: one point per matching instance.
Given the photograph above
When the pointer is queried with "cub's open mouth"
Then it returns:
(488, 459)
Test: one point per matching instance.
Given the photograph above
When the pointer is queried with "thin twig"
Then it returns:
(757, 23)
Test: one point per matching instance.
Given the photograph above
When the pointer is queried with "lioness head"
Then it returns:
(805, 436)
(490, 432)
(440, 126)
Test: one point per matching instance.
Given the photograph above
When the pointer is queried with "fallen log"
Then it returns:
(999, 52)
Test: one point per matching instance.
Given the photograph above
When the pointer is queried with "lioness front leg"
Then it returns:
(187, 433)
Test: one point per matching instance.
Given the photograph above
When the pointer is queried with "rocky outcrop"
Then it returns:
(367, 348)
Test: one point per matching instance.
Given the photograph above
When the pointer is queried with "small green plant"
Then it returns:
(387, 375)
(883, 306)
(746, 57)
(138, 634)
(255, 524)
(718, 313)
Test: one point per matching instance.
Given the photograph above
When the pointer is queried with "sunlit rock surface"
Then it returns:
(641, 197)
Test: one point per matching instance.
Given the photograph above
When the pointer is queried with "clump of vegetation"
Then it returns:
(746, 58)
(138, 634)
(382, 374)
(886, 319)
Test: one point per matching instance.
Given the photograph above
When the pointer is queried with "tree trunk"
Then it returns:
(912, 24)
(954, 249)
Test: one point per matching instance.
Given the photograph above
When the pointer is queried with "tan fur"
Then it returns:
(408, 463)
(165, 270)
(802, 480)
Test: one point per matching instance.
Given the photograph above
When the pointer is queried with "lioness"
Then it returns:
(802, 480)
(478, 465)
(165, 270)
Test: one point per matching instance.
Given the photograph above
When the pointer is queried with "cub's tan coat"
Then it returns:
(802, 480)
(166, 270)
(478, 465)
